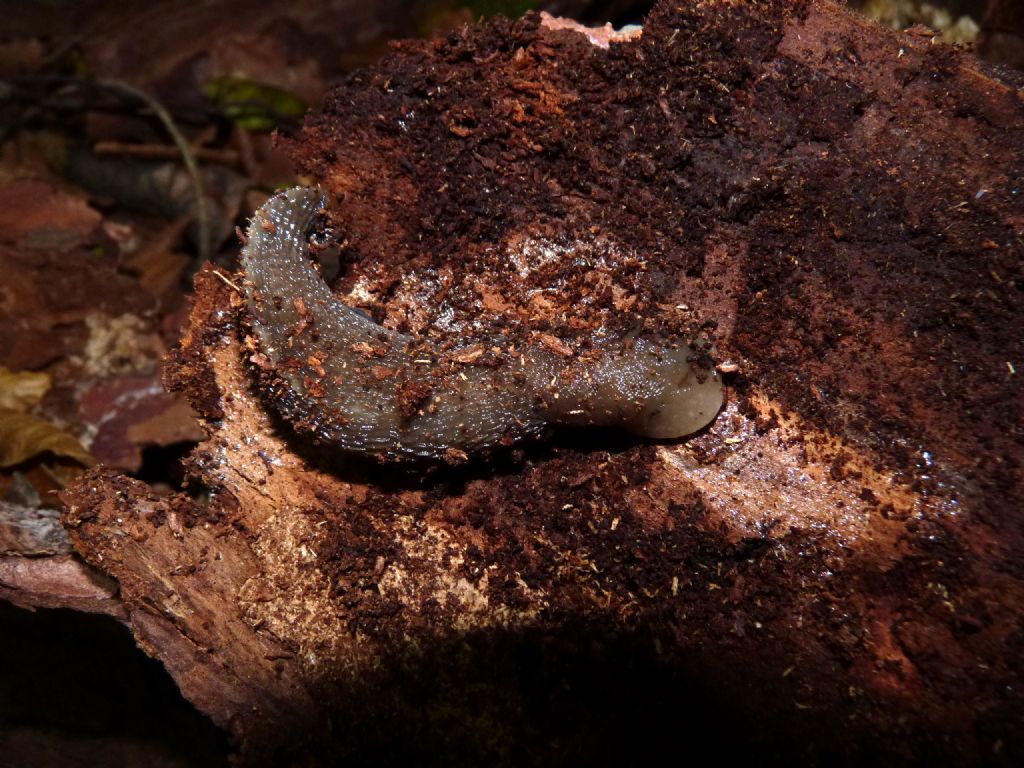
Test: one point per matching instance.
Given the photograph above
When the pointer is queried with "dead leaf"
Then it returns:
(23, 437)
(157, 263)
(125, 414)
(35, 214)
(21, 391)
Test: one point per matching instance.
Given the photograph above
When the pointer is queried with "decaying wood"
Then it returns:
(831, 570)
(39, 569)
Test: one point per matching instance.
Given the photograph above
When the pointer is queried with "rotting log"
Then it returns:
(831, 571)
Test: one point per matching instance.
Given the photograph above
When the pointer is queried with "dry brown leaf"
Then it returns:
(21, 391)
(23, 437)
(158, 264)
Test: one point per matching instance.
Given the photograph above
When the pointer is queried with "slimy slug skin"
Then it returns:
(348, 381)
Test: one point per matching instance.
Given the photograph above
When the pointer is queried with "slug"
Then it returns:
(351, 383)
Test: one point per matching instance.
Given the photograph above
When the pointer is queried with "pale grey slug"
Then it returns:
(352, 383)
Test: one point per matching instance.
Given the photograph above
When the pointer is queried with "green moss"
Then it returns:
(253, 106)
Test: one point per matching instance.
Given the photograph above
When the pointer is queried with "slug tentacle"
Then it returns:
(352, 383)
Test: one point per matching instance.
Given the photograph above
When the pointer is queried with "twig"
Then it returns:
(227, 280)
(227, 157)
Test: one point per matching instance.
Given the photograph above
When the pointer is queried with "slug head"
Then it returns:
(647, 388)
